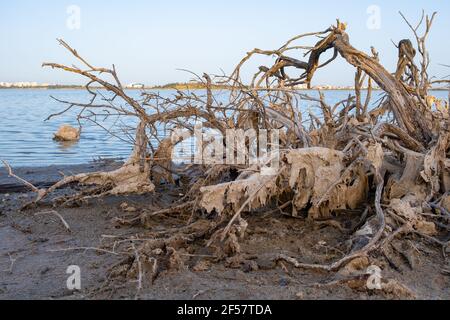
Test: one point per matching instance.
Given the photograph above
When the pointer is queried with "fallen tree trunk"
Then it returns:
(341, 159)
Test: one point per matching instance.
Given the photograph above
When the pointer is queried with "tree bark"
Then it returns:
(406, 111)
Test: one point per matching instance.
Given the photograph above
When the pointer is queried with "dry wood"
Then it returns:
(333, 158)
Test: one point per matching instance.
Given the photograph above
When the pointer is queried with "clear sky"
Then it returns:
(149, 40)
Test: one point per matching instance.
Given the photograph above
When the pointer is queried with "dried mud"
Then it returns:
(32, 267)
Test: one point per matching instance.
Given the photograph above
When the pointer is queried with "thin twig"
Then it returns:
(55, 213)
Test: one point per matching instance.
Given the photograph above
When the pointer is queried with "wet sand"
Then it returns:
(32, 265)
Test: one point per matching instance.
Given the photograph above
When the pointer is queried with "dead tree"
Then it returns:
(328, 162)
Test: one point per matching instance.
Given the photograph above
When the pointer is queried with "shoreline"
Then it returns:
(42, 248)
(174, 88)
(46, 176)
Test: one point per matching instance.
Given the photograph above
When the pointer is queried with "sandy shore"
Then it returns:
(43, 176)
(34, 256)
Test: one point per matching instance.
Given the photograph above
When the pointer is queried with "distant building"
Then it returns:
(5, 85)
(23, 85)
(303, 86)
(135, 86)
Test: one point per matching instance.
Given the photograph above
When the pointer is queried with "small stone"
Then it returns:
(130, 209)
(300, 295)
(40, 240)
(284, 282)
(234, 262)
(44, 270)
(356, 266)
(67, 133)
(250, 266)
(265, 263)
(202, 266)
(426, 227)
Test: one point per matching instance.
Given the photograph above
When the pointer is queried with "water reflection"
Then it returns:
(65, 145)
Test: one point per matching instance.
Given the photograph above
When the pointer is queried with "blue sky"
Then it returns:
(149, 40)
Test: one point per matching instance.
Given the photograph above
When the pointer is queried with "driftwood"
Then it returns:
(391, 157)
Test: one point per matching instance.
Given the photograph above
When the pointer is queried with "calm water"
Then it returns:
(26, 138)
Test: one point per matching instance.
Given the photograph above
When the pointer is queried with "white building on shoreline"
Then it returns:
(135, 86)
(23, 85)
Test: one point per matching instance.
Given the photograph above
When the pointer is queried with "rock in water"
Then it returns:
(67, 133)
